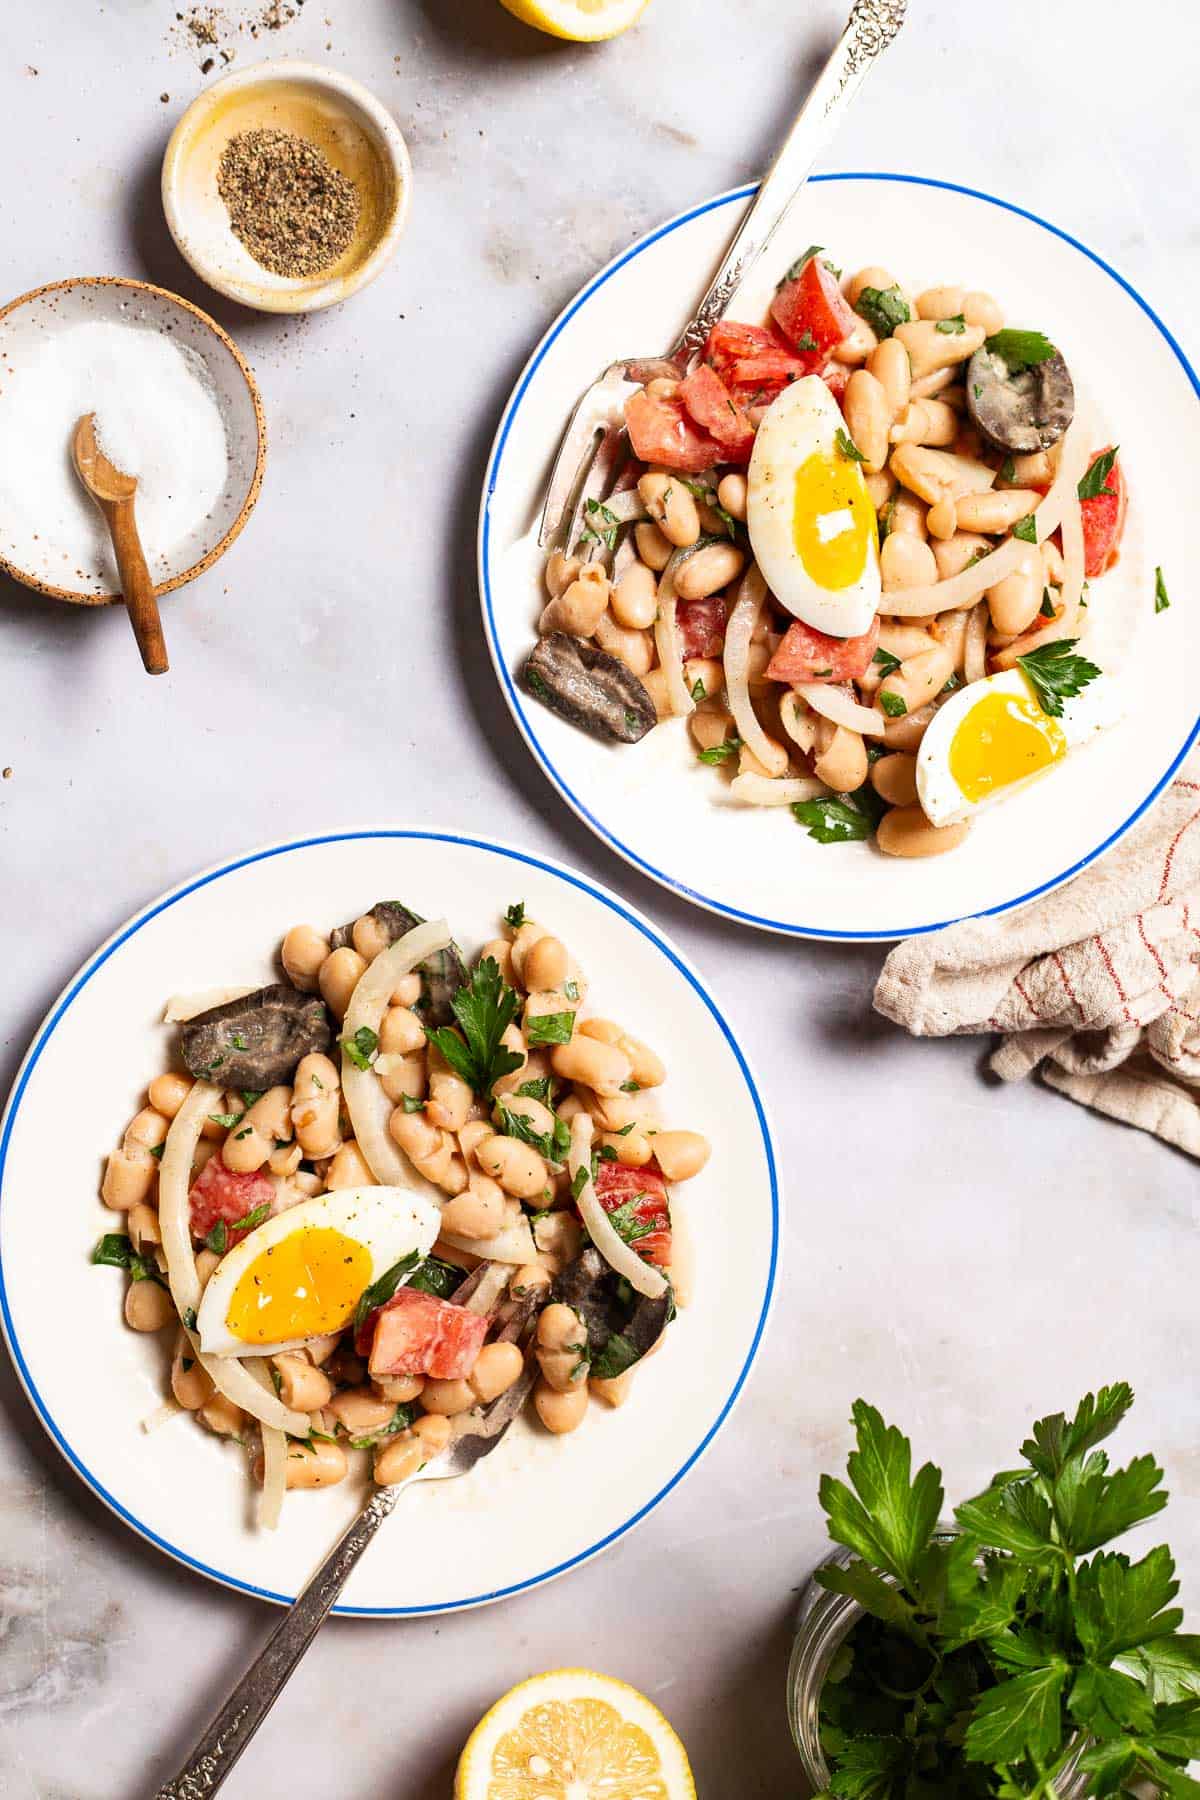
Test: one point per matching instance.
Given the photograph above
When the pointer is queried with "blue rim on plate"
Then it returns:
(515, 698)
(101, 956)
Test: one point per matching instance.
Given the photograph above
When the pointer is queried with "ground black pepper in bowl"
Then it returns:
(294, 212)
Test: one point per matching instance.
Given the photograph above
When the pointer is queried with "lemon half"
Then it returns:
(583, 21)
(573, 1735)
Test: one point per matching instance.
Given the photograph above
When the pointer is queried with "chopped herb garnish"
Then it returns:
(894, 705)
(1161, 601)
(721, 753)
(699, 691)
(361, 1048)
(883, 309)
(631, 1087)
(952, 327)
(847, 447)
(833, 821)
(1019, 349)
(1095, 481)
(485, 1008)
(807, 342)
(411, 1104)
(227, 1121)
(549, 1028)
(579, 1180)
(400, 1420)
(436, 1277)
(536, 1090)
(602, 525)
(1047, 607)
(156, 1151)
(552, 1144)
(114, 1251)
(886, 662)
(1008, 472)
(189, 1317)
(239, 1042)
(1057, 674)
(515, 916)
(813, 250)
(571, 990)
(217, 1239)
(381, 1291)
(250, 1095)
(1026, 529)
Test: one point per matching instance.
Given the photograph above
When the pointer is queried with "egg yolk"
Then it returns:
(1002, 739)
(303, 1286)
(833, 521)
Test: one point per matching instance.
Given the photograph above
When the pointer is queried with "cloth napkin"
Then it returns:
(1097, 985)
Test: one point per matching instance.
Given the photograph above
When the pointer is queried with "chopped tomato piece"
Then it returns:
(638, 1198)
(225, 1196)
(712, 407)
(418, 1334)
(701, 626)
(662, 431)
(808, 655)
(730, 340)
(812, 312)
(1104, 521)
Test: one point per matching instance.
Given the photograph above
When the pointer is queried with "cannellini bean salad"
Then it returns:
(853, 548)
(366, 1200)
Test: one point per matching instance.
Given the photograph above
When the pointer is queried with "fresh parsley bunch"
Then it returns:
(987, 1657)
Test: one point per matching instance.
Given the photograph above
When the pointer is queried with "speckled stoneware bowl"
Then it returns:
(340, 116)
(25, 323)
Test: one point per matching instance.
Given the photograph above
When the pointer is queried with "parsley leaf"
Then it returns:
(1161, 602)
(411, 1104)
(954, 327)
(549, 1028)
(883, 309)
(721, 753)
(890, 1516)
(485, 1008)
(515, 916)
(807, 342)
(847, 447)
(1046, 609)
(813, 250)
(1026, 529)
(894, 705)
(626, 1223)
(602, 526)
(381, 1291)
(1094, 483)
(552, 1145)
(833, 821)
(1057, 674)
(699, 691)
(886, 662)
(227, 1121)
(1021, 1717)
(436, 1277)
(361, 1048)
(1020, 349)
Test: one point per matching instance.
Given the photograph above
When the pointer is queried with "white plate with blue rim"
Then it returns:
(653, 803)
(538, 1506)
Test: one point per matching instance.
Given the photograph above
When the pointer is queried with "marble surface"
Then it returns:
(961, 1255)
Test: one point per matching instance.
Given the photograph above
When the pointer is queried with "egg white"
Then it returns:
(804, 420)
(389, 1222)
(1083, 717)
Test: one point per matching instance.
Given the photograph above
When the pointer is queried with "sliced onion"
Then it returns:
(683, 1254)
(274, 1446)
(798, 721)
(174, 1184)
(182, 1007)
(367, 1104)
(491, 1285)
(162, 1415)
(975, 648)
(226, 1373)
(619, 1255)
(838, 705)
(512, 1245)
(666, 638)
(738, 634)
(626, 507)
(767, 790)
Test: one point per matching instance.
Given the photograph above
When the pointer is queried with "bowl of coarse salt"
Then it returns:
(176, 406)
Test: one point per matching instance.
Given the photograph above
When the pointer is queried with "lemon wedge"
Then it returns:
(573, 1735)
(583, 21)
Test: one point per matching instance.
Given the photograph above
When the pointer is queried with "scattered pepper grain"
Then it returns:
(295, 213)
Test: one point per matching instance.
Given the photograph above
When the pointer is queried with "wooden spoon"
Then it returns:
(113, 493)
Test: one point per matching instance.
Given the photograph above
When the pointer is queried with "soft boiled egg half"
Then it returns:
(811, 522)
(303, 1272)
(993, 737)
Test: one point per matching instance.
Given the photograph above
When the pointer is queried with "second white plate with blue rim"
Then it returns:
(669, 816)
(538, 1506)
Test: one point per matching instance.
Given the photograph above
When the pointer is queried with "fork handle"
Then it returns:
(870, 29)
(256, 1693)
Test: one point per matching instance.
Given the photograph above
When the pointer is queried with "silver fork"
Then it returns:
(595, 446)
(214, 1755)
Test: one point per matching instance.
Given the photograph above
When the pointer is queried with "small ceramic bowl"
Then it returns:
(345, 120)
(27, 552)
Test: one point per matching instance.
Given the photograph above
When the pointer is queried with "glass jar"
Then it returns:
(823, 1623)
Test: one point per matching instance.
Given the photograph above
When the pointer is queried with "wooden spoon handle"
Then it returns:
(137, 587)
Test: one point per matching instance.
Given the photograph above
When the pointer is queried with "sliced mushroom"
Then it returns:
(442, 974)
(589, 688)
(1020, 407)
(608, 1306)
(255, 1042)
